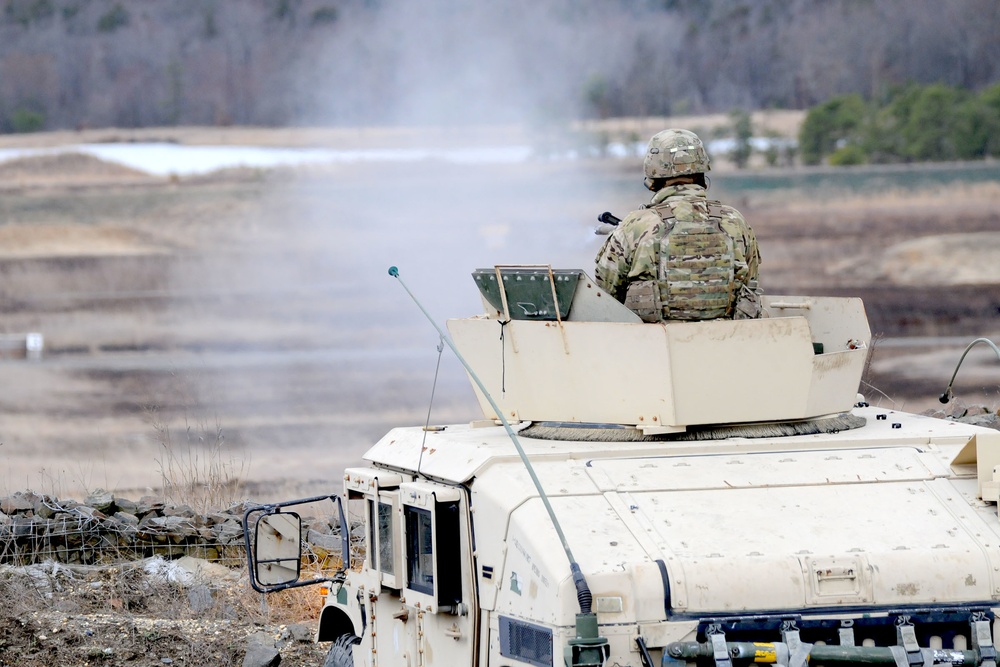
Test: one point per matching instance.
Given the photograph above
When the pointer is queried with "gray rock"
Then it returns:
(231, 532)
(302, 633)
(100, 500)
(126, 505)
(215, 518)
(15, 504)
(24, 526)
(126, 518)
(180, 510)
(956, 408)
(152, 524)
(328, 542)
(149, 504)
(90, 512)
(201, 599)
(260, 654)
(989, 420)
(45, 507)
(178, 525)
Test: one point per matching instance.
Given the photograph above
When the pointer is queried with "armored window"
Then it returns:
(419, 550)
(385, 555)
(372, 547)
(449, 555)
(433, 548)
(372, 497)
(381, 542)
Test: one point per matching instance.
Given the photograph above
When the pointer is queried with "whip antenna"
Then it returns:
(583, 593)
(947, 395)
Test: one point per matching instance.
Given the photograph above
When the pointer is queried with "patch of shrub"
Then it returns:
(830, 124)
(848, 155)
(24, 120)
(742, 133)
(115, 18)
(912, 123)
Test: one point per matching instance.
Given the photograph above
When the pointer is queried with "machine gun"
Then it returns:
(608, 223)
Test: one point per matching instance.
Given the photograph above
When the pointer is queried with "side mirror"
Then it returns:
(278, 548)
(273, 542)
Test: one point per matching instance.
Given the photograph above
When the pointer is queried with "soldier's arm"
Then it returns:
(747, 251)
(612, 265)
(752, 250)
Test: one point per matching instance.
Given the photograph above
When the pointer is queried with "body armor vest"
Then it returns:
(697, 265)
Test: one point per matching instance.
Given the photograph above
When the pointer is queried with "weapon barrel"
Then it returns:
(609, 219)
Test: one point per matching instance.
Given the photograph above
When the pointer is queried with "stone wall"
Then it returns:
(977, 415)
(106, 529)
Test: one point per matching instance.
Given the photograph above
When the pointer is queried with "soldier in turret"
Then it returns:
(682, 256)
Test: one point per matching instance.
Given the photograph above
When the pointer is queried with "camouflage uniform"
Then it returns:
(631, 253)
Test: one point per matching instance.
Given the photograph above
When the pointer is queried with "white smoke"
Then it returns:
(448, 74)
(476, 62)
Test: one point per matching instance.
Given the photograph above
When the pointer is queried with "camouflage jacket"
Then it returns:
(631, 252)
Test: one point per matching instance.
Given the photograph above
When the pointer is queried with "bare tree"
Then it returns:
(104, 62)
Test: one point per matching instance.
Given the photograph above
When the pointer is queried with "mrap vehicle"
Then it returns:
(710, 493)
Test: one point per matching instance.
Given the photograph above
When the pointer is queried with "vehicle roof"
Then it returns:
(458, 453)
(741, 524)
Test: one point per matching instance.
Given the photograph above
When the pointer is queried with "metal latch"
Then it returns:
(720, 652)
(906, 637)
(798, 652)
(846, 632)
(982, 641)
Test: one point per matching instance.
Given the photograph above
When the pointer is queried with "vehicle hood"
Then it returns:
(805, 529)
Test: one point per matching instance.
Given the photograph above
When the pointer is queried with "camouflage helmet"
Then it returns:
(674, 153)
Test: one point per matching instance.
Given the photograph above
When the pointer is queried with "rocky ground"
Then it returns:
(148, 614)
(111, 581)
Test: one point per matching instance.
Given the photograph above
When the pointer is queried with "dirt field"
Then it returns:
(253, 307)
(241, 329)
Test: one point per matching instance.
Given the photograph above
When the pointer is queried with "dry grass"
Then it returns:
(896, 202)
(75, 168)
(60, 240)
(197, 469)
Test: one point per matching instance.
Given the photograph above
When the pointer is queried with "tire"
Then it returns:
(342, 651)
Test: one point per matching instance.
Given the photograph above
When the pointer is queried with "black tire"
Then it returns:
(342, 651)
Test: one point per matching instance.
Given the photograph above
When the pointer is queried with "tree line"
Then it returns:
(913, 123)
(99, 63)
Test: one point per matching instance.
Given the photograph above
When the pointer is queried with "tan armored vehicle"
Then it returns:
(711, 493)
